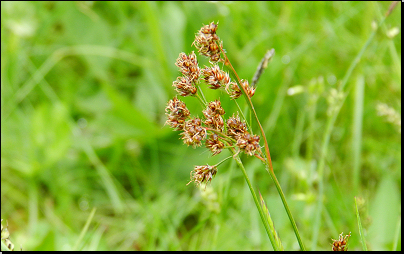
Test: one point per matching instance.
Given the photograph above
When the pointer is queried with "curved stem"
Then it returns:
(228, 64)
(268, 161)
(261, 212)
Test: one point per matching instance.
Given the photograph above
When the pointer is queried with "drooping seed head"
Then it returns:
(203, 174)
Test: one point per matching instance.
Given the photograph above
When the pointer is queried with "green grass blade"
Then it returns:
(271, 224)
(397, 236)
(360, 227)
(85, 228)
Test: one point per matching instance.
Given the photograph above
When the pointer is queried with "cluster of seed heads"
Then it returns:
(212, 130)
(341, 243)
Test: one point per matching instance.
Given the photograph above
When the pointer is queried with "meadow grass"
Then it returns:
(83, 91)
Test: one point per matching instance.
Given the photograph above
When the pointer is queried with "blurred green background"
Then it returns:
(83, 91)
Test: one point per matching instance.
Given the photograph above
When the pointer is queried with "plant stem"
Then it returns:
(268, 160)
(264, 221)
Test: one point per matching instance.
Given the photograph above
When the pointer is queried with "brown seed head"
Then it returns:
(233, 90)
(206, 42)
(236, 127)
(194, 132)
(215, 77)
(188, 66)
(250, 90)
(176, 112)
(249, 143)
(213, 113)
(214, 144)
(203, 174)
(341, 243)
(184, 86)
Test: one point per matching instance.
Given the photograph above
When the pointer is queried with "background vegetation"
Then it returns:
(83, 91)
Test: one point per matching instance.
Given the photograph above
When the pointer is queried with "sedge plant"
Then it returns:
(235, 133)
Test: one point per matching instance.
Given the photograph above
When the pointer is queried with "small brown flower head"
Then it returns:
(249, 143)
(236, 127)
(206, 42)
(188, 66)
(203, 174)
(341, 243)
(233, 90)
(213, 114)
(214, 144)
(176, 112)
(194, 132)
(184, 86)
(215, 77)
(250, 90)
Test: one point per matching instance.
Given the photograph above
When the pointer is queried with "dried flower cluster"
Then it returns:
(212, 129)
(233, 90)
(194, 132)
(215, 77)
(341, 243)
(206, 41)
(245, 141)
(203, 174)
(176, 112)
(213, 114)
(188, 66)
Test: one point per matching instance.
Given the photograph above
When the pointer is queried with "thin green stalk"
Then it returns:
(203, 99)
(397, 235)
(268, 161)
(285, 204)
(85, 228)
(200, 100)
(225, 159)
(264, 221)
(362, 235)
